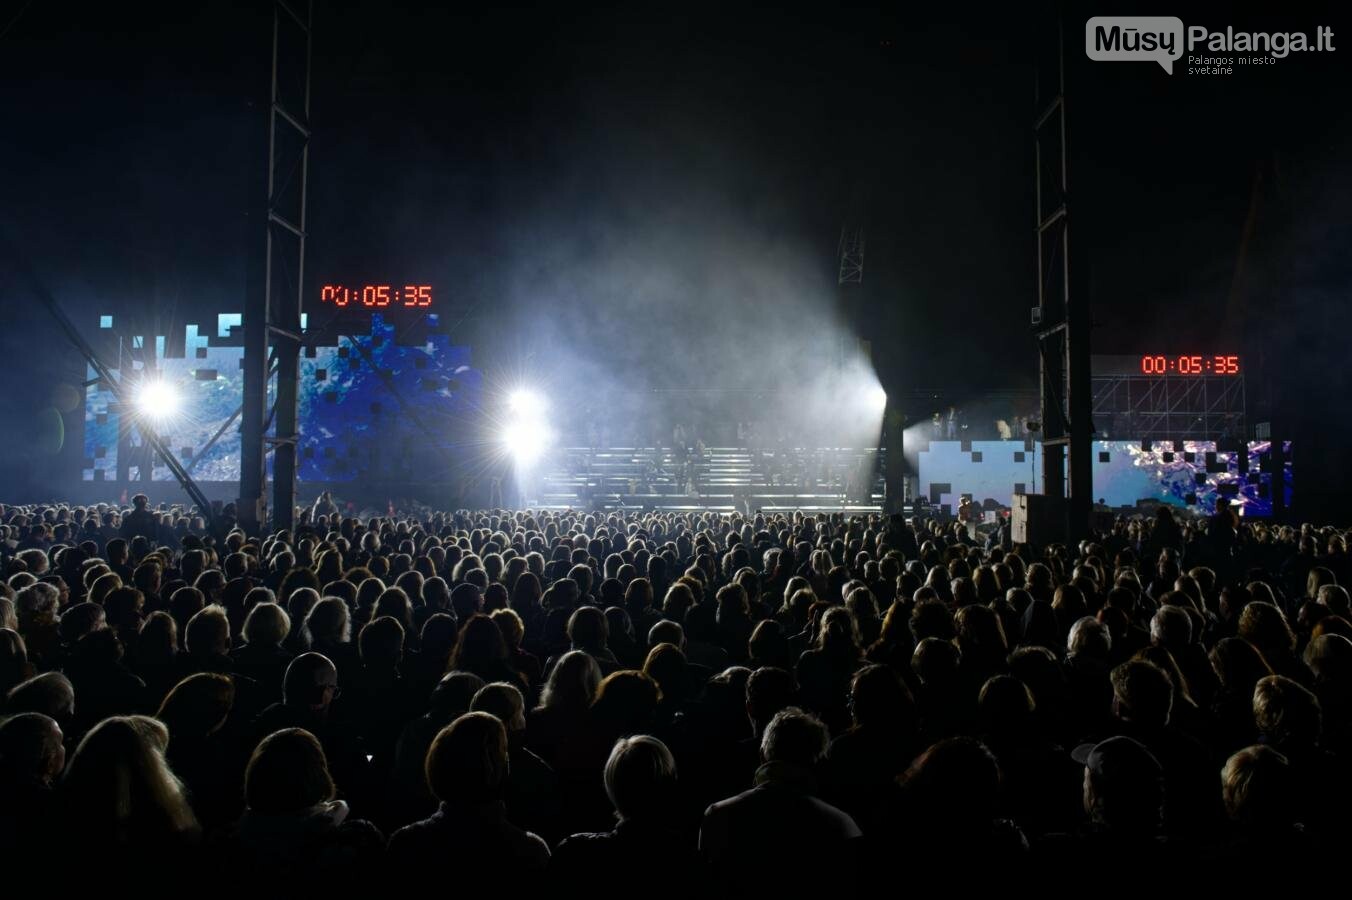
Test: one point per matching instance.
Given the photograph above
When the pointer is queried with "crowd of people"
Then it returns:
(665, 702)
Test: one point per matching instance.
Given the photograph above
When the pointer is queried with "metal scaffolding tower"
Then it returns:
(1171, 407)
(851, 252)
(272, 311)
(1062, 314)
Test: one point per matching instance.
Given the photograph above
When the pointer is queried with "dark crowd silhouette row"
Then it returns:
(671, 703)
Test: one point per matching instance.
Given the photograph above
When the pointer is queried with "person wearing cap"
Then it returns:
(1123, 788)
(1124, 796)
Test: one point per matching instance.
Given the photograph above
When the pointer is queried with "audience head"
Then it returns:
(50, 693)
(1089, 639)
(1258, 788)
(953, 783)
(453, 694)
(467, 764)
(287, 774)
(504, 701)
(32, 749)
(197, 706)
(1143, 694)
(208, 633)
(310, 683)
(1265, 626)
(1123, 784)
(1286, 713)
(572, 683)
(626, 703)
(794, 737)
(328, 623)
(640, 780)
(120, 788)
(267, 625)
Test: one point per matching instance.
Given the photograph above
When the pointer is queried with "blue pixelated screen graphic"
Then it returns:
(1125, 474)
(1198, 475)
(371, 404)
(989, 470)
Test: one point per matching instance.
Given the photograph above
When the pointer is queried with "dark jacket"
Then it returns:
(317, 848)
(140, 523)
(629, 857)
(748, 839)
(27, 817)
(480, 833)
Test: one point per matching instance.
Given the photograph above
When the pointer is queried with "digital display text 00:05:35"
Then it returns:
(1158, 364)
(377, 296)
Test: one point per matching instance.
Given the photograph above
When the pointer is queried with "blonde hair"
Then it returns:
(122, 786)
(267, 623)
(1255, 784)
(328, 619)
(509, 623)
(103, 586)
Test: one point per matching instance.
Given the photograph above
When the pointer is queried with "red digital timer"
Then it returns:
(1190, 365)
(377, 296)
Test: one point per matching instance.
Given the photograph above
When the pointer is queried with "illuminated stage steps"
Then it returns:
(727, 478)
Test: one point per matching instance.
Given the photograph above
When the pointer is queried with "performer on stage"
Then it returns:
(969, 514)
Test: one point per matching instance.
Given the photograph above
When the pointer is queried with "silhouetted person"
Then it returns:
(748, 840)
(308, 692)
(468, 770)
(864, 762)
(411, 798)
(1124, 798)
(204, 757)
(532, 794)
(32, 757)
(641, 783)
(118, 795)
(293, 832)
(140, 521)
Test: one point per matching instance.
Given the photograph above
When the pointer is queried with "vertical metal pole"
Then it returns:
(1063, 338)
(277, 322)
(1079, 389)
(1051, 339)
(253, 419)
(288, 309)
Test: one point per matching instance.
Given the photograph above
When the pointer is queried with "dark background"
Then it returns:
(653, 197)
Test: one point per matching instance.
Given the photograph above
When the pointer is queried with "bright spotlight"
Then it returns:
(878, 398)
(526, 440)
(526, 403)
(158, 400)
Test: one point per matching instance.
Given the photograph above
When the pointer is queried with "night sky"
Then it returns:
(660, 192)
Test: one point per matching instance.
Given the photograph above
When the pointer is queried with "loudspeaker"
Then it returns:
(1038, 519)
